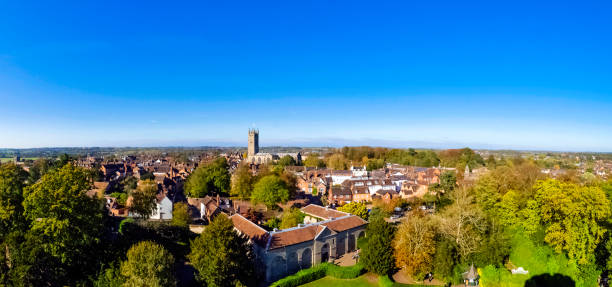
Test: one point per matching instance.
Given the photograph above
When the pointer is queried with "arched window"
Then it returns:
(306, 259)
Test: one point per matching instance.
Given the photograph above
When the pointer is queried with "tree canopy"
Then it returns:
(221, 256)
(270, 190)
(211, 178)
(242, 182)
(148, 264)
(143, 199)
(377, 255)
(355, 208)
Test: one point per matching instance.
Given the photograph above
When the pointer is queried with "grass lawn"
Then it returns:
(10, 159)
(361, 281)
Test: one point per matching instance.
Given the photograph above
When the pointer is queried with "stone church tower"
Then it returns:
(253, 142)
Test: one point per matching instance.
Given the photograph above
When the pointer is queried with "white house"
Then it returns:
(163, 208)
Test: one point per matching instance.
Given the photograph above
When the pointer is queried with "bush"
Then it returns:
(303, 276)
(319, 271)
(348, 272)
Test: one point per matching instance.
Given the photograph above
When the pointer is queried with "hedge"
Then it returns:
(319, 271)
(385, 281)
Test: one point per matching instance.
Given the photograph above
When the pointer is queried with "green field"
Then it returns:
(361, 281)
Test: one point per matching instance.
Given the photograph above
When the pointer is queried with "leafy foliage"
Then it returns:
(148, 264)
(143, 199)
(313, 160)
(572, 214)
(180, 215)
(211, 178)
(292, 218)
(286, 161)
(414, 245)
(270, 190)
(355, 208)
(221, 256)
(64, 220)
(242, 182)
(377, 255)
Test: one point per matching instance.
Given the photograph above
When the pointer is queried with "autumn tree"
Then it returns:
(148, 264)
(462, 222)
(414, 245)
(143, 199)
(270, 190)
(355, 208)
(211, 178)
(221, 256)
(242, 182)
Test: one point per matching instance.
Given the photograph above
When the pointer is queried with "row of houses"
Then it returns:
(358, 184)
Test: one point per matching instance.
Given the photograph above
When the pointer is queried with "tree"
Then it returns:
(463, 223)
(286, 161)
(143, 199)
(221, 256)
(313, 160)
(211, 178)
(337, 161)
(148, 264)
(445, 258)
(180, 215)
(65, 222)
(12, 182)
(414, 245)
(355, 208)
(292, 218)
(377, 255)
(448, 181)
(270, 190)
(573, 216)
(242, 182)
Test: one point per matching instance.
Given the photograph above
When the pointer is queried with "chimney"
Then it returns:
(218, 200)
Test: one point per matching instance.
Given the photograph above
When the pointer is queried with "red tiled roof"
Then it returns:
(322, 212)
(345, 223)
(250, 229)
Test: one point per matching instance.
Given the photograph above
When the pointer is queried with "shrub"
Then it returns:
(303, 276)
(319, 271)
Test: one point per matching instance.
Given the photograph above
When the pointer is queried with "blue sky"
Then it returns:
(490, 74)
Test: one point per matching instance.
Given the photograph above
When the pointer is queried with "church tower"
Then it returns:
(253, 142)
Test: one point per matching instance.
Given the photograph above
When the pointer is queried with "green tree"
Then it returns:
(448, 181)
(221, 256)
(292, 218)
(377, 254)
(148, 264)
(270, 190)
(242, 182)
(286, 161)
(356, 208)
(180, 215)
(12, 181)
(313, 160)
(65, 222)
(143, 199)
(573, 216)
(337, 161)
(211, 178)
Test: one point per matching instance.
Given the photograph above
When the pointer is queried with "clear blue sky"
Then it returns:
(490, 74)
